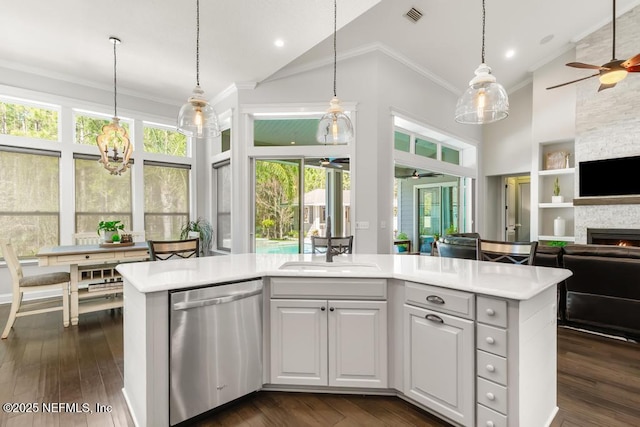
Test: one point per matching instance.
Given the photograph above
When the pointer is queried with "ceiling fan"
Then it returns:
(335, 162)
(613, 71)
(416, 175)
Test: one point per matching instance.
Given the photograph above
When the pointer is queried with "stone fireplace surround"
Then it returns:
(607, 124)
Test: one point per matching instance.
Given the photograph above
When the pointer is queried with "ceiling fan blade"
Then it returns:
(603, 86)
(633, 68)
(631, 62)
(573, 81)
(583, 65)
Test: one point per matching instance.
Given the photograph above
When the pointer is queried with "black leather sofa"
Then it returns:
(603, 294)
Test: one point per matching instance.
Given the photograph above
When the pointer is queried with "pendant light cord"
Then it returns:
(198, 43)
(483, 25)
(115, 79)
(335, 50)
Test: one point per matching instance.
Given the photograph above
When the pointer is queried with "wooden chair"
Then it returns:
(162, 250)
(86, 238)
(339, 245)
(39, 282)
(507, 252)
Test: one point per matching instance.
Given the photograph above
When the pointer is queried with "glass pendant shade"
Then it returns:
(197, 118)
(484, 101)
(115, 147)
(335, 127)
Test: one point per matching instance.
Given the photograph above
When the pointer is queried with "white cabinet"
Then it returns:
(299, 342)
(328, 342)
(439, 362)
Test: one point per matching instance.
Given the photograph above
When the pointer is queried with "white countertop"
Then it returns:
(488, 278)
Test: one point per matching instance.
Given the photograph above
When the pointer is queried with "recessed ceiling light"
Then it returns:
(546, 39)
(279, 42)
(509, 53)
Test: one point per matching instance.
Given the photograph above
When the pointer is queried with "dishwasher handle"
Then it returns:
(214, 301)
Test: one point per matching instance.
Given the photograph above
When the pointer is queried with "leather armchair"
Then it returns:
(604, 291)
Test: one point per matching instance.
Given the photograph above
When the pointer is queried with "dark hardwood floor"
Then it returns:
(42, 362)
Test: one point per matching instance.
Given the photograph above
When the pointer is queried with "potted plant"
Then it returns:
(556, 198)
(202, 229)
(107, 229)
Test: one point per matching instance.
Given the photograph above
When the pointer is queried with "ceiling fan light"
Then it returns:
(334, 127)
(197, 118)
(484, 101)
(613, 76)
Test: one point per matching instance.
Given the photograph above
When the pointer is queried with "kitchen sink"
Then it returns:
(328, 267)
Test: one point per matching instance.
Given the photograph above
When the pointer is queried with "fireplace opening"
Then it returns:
(614, 236)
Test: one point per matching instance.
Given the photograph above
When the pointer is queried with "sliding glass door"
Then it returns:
(292, 199)
(437, 206)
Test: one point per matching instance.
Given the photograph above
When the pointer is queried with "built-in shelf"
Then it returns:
(558, 238)
(565, 171)
(607, 200)
(555, 205)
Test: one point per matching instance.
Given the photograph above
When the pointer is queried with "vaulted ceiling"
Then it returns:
(68, 39)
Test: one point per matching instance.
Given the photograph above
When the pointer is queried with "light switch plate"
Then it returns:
(362, 225)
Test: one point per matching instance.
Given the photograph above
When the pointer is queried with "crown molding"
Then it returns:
(231, 89)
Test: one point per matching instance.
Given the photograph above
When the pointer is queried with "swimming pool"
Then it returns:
(264, 246)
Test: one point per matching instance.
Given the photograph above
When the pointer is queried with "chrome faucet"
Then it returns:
(328, 236)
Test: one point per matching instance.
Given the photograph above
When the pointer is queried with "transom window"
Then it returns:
(33, 121)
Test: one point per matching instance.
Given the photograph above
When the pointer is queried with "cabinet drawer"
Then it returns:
(334, 287)
(142, 254)
(492, 340)
(489, 418)
(491, 367)
(440, 299)
(492, 311)
(75, 258)
(492, 395)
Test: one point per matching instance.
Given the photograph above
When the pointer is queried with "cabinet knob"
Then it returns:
(490, 396)
(490, 424)
(491, 368)
(331, 309)
(86, 257)
(490, 312)
(323, 308)
(490, 340)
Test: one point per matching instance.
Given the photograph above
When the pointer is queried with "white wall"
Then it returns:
(379, 84)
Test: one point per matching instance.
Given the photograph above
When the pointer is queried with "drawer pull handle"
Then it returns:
(490, 340)
(490, 424)
(490, 312)
(491, 368)
(434, 318)
(86, 257)
(435, 299)
(490, 396)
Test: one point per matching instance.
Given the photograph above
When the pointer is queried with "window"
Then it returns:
(30, 121)
(29, 198)
(89, 127)
(226, 140)
(222, 178)
(162, 140)
(450, 155)
(166, 199)
(401, 141)
(100, 196)
(426, 148)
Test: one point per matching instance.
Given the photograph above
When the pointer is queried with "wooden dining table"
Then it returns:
(95, 283)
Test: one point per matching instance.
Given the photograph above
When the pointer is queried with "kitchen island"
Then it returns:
(472, 342)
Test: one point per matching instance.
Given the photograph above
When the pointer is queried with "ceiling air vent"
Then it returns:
(414, 14)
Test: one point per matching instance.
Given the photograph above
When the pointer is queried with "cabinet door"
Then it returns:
(299, 342)
(439, 363)
(358, 344)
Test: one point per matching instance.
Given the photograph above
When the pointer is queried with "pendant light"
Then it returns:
(114, 137)
(484, 101)
(197, 117)
(335, 127)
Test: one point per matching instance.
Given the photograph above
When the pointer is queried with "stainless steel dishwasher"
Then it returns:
(215, 345)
